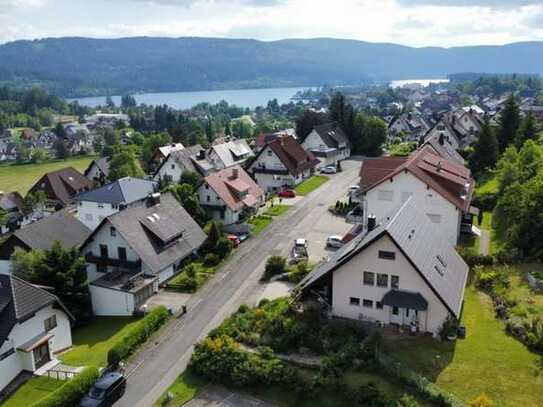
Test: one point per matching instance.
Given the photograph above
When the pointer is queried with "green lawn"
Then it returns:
(310, 184)
(92, 342)
(529, 303)
(259, 224)
(22, 177)
(185, 388)
(277, 210)
(181, 282)
(487, 184)
(32, 391)
(487, 361)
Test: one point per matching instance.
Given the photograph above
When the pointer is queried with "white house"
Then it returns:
(403, 272)
(98, 170)
(96, 205)
(133, 251)
(161, 153)
(230, 196)
(411, 125)
(229, 154)
(441, 188)
(17, 215)
(328, 143)
(177, 162)
(34, 325)
(283, 162)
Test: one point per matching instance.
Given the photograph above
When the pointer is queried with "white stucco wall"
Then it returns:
(208, 196)
(11, 366)
(348, 282)
(108, 302)
(431, 202)
(92, 213)
(436, 131)
(170, 169)
(5, 266)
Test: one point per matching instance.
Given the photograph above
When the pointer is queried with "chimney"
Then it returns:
(235, 173)
(438, 166)
(372, 222)
(202, 154)
(153, 199)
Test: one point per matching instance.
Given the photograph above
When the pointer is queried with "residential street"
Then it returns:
(157, 366)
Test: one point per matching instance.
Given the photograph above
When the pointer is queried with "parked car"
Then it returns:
(334, 241)
(330, 169)
(234, 239)
(354, 189)
(287, 193)
(106, 391)
(299, 251)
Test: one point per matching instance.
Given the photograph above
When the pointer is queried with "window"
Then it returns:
(104, 251)
(440, 259)
(434, 218)
(369, 278)
(112, 231)
(173, 166)
(100, 205)
(208, 198)
(378, 305)
(384, 254)
(269, 153)
(50, 323)
(394, 282)
(121, 251)
(367, 303)
(385, 195)
(395, 311)
(382, 280)
(354, 301)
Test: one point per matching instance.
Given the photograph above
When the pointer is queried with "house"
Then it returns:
(61, 226)
(441, 188)
(411, 126)
(229, 154)
(403, 272)
(34, 325)
(161, 153)
(61, 186)
(231, 196)
(18, 215)
(328, 143)
(283, 162)
(96, 205)
(133, 251)
(444, 149)
(98, 171)
(459, 127)
(177, 162)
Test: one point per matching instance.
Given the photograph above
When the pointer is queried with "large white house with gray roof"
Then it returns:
(402, 272)
(96, 205)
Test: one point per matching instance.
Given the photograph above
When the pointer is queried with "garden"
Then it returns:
(311, 184)
(33, 390)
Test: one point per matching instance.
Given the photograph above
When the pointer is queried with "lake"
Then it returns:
(423, 82)
(250, 98)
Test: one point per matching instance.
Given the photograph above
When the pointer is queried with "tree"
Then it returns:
(34, 201)
(275, 265)
(187, 197)
(307, 121)
(63, 270)
(128, 101)
(61, 150)
(509, 123)
(190, 177)
(527, 131)
(213, 231)
(4, 217)
(124, 164)
(508, 170)
(60, 131)
(369, 136)
(485, 153)
(39, 155)
(109, 102)
(151, 144)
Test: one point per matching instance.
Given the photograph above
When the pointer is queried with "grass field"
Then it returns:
(488, 184)
(487, 361)
(32, 391)
(311, 184)
(277, 210)
(22, 177)
(259, 223)
(185, 388)
(92, 342)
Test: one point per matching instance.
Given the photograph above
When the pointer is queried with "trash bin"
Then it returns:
(461, 331)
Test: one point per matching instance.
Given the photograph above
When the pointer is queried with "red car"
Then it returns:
(234, 239)
(286, 193)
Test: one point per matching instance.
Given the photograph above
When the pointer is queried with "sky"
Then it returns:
(410, 22)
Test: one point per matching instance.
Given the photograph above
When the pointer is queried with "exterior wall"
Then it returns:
(92, 213)
(270, 162)
(108, 302)
(230, 217)
(170, 169)
(94, 173)
(5, 267)
(11, 366)
(313, 142)
(166, 274)
(435, 132)
(431, 202)
(348, 282)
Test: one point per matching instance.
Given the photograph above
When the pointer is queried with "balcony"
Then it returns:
(109, 262)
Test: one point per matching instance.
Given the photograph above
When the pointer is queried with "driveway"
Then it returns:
(160, 362)
(170, 299)
(214, 396)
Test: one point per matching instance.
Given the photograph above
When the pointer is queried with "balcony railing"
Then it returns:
(107, 261)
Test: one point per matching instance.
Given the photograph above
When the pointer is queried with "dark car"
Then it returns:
(286, 193)
(106, 391)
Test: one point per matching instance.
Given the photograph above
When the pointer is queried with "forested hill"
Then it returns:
(79, 66)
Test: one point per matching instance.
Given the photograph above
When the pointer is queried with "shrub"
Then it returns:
(183, 283)
(224, 247)
(448, 328)
(211, 260)
(69, 394)
(128, 343)
(275, 265)
(481, 401)
(369, 395)
(407, 401)
(190, 270)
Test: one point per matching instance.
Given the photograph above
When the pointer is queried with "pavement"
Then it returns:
(214, 396)
(166, 356)
(170, 299)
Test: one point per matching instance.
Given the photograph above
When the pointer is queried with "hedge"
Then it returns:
(70, 393)
(137, 335)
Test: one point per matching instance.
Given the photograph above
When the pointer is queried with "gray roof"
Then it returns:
(233, 152)
(331, 134)
(445, 150)
(160, 235)
(123, 191)
(422, 243)
(101, 163)
(19, 300)
(184, 158)
(60, 226)
(405, 299)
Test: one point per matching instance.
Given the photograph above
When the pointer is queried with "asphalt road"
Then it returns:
(162, 360)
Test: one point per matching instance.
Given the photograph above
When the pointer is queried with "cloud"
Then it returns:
(494, 4)
(413, 23)
(22, 3)
(535, 20)
(189, 3)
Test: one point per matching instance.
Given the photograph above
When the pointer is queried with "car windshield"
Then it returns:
(97, 393)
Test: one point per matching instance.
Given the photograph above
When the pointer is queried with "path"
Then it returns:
(162, 360)
(484, 243)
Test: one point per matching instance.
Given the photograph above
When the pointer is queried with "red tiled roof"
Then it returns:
(225, 185)
(451, 180)
(292, 155)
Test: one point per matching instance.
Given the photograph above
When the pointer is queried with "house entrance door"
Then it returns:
(41, 355)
